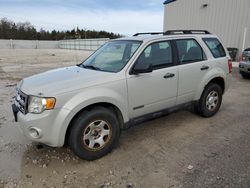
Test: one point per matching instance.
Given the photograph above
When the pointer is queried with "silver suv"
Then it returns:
(125, 81)
(244, 65)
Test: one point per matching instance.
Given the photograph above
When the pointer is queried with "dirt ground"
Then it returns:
(178, 150)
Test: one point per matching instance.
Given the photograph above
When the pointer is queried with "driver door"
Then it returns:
(156, 90)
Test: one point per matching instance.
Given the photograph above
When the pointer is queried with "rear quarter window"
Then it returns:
(215, 47)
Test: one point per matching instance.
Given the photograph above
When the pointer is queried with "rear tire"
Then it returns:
(210, 100)
(94, 133)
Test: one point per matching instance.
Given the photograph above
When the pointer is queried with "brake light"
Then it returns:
(230, 65)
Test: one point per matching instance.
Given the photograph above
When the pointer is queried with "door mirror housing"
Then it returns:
(142, 67)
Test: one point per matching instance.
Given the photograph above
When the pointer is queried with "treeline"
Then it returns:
(26, 31)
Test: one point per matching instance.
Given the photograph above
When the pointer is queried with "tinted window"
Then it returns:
(189, 51)
(215, 47)
(157, 54)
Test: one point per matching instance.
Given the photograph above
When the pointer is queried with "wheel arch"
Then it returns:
(108, 105)
(220, 81)
(217, 79)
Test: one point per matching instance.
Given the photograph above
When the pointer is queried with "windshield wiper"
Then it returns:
(90, 67)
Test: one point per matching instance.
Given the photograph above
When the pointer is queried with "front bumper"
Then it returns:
(244, 66)
(48, 127)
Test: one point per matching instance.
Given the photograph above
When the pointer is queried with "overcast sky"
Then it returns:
(119, 16)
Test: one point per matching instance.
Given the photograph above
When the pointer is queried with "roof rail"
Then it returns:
(149, 33)
(185, 32)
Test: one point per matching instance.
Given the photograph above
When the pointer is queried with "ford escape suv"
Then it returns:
(125, 81)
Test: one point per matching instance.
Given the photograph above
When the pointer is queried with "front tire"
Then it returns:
(210, 100)
(94, 133)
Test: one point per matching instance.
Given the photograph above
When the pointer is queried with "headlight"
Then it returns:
(37, 104)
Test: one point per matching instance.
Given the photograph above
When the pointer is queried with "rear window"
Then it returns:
(215, 47)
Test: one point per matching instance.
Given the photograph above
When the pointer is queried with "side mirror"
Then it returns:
(142, 67)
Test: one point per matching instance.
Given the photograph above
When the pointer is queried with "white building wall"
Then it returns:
(225, 18)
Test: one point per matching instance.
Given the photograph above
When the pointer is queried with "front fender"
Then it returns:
(87, 98)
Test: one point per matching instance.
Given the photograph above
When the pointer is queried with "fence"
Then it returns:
(28, 44)
(74, 44)
(82, 44)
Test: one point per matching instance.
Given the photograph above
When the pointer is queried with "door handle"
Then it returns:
(204, 67)
(169, 75)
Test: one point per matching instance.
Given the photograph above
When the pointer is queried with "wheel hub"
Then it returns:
(212, 100)
(97, 134)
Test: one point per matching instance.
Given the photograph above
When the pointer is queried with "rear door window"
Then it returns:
(215, 47)
(189, 51)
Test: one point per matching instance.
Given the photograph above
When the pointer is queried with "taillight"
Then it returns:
(230, 65)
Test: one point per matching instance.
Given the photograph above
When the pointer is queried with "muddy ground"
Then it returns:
(178, 150)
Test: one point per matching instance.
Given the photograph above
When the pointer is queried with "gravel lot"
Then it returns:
(178, 150)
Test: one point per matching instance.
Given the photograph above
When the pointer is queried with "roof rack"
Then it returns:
(149, 33)
(175, 32)
(185, 32)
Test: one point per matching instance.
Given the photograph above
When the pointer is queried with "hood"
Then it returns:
(62, 80)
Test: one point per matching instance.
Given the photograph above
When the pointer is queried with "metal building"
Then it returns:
(229, 19)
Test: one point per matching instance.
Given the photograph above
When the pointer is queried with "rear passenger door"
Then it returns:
(193, 65)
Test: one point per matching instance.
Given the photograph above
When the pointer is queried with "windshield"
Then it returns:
(112, 56)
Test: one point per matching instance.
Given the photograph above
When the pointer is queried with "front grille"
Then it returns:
(21, 101)
(246, 58)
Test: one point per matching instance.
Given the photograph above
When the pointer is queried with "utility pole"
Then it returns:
(77, 33)
(85, 33)
(244, 39)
